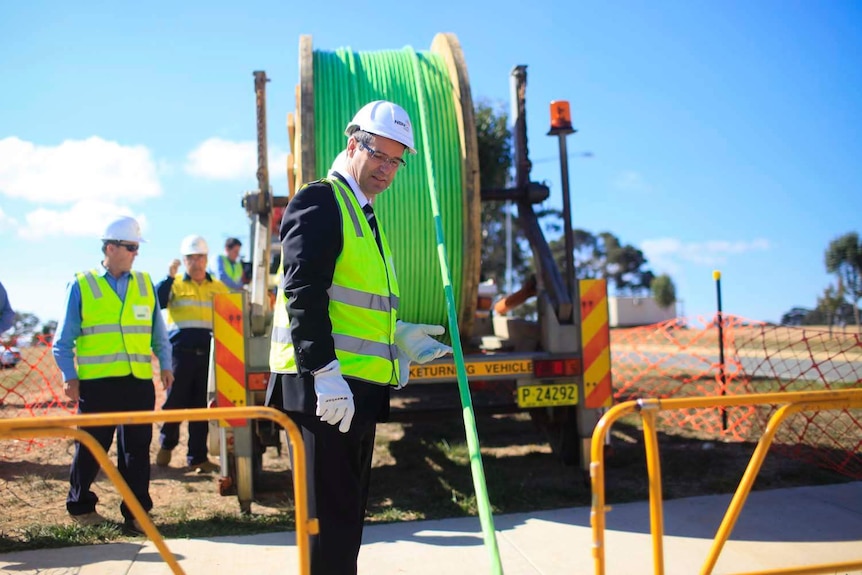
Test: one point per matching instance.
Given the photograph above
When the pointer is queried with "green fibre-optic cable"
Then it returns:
(482, 500)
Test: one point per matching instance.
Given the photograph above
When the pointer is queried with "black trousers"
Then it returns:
(338, 470)
(191, 370)
(133, 441)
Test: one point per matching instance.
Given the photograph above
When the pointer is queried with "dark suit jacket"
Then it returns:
(311, 241)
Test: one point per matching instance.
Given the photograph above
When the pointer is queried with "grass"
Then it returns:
(177, 527)
(54, 536)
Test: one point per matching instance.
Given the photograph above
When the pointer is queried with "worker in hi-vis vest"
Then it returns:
(337, 346)
(188, 299)
(229, 269)
(112, 327)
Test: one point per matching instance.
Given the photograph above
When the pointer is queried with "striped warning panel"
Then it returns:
(595, 335)
(228, 334)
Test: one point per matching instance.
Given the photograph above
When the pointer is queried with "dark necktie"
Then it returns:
(372, 222)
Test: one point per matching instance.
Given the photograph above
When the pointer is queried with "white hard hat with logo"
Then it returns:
(386, 119)
(123, 229)
(194, 245)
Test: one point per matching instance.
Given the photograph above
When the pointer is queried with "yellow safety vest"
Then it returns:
(191, 304)
(116, 336)
(363, 303)
(233, 269)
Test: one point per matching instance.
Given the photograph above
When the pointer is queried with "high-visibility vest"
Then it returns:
(191, 303)
(232, 269)
(363, 303)
(116, 336)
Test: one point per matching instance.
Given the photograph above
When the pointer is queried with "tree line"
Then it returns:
(597, 255)
(28, 329)
(838, 304)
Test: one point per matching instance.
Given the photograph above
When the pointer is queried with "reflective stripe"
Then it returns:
(364, 346)
(191, 303)
(97, 292)
(115, 338)
(142, 287)
(115, 328)
(281, 334)
(353, 216)
(94, 285)
(363, 299)
(193, 323)
(96, 359)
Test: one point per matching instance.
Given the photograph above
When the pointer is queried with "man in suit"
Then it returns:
(337, 345)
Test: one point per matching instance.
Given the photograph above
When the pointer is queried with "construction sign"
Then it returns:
(229, 341)
(595, 337)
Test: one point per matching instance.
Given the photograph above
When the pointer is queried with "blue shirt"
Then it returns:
(224, 277)
(7, 316)
(69, 327)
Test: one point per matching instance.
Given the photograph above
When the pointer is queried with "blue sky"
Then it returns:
(725, 135)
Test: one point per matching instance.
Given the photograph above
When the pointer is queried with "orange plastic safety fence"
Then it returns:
(677, 358)
(31, 385)
(680, 358)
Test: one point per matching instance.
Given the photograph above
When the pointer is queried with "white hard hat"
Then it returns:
(385, 119)
(194, 245)
(123, 229)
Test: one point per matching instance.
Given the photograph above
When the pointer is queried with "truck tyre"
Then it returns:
(560, 426)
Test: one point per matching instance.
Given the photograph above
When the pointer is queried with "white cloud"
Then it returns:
(632, 182)
(7, 222)
(217, 159)
(667, 253)
(77, 170)
(86, 218)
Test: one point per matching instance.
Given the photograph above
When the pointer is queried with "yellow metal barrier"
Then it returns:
(68, 426)
(791, 403)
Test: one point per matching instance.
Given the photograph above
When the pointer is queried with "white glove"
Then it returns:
(334, 398)
(415, 340)
(403, 369)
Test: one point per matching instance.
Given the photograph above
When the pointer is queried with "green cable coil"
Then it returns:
(344, 81)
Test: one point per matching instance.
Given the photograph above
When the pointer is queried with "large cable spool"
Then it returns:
(434, 88)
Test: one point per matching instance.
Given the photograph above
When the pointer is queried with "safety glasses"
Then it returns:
(383, 158)
(129, 247)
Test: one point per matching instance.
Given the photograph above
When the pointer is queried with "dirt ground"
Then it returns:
(422, 471)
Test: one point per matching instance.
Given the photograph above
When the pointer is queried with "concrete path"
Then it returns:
(779, 528)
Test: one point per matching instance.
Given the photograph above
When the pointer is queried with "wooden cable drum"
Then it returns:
(434, 88)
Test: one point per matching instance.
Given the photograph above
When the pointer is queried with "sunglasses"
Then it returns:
(129, 247)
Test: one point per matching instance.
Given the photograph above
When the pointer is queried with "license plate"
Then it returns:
(548, 395)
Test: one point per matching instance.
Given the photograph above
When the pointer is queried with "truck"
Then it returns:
(555, 365)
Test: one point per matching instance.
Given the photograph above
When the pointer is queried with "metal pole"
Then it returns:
(518, 84)
(509, 279)
(720, 320)
(567, 215)
(518, 119)
(561, 126)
